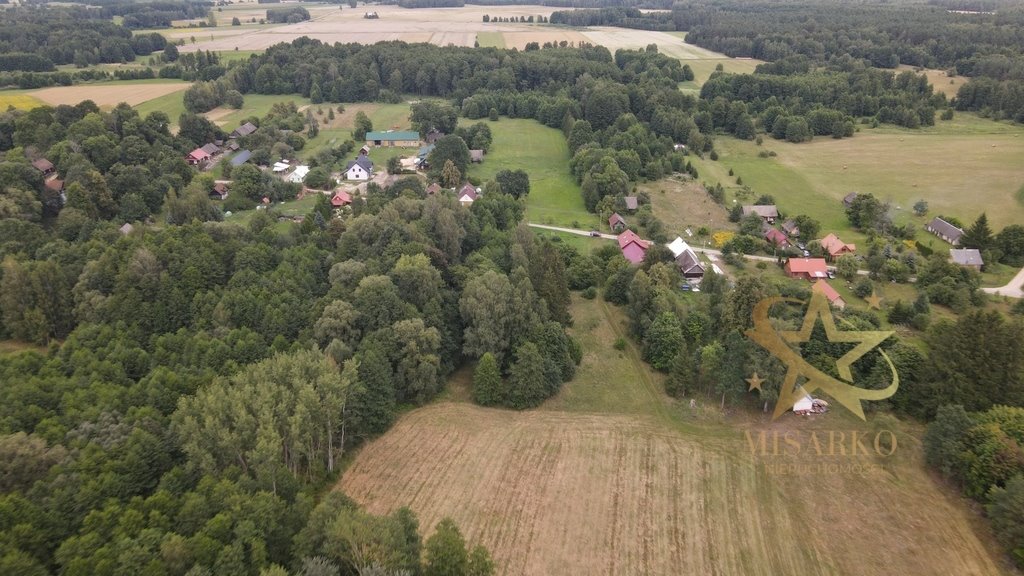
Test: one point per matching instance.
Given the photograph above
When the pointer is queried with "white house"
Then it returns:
(468, 194)
(299, 175)
(359, 169)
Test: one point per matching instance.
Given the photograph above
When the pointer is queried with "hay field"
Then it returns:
(611, 477)
(441, 26)
(108, 94)
(940, 81)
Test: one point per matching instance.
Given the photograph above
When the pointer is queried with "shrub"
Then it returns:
(620, 344)
(590, 293)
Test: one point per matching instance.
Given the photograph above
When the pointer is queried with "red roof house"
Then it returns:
(341, 198)
(833, 297)
(808, 268)
(468, 194)
(43, 165)
(776, 237)
(633, 247)
(197, 156)
(616, 222)
(835, 247)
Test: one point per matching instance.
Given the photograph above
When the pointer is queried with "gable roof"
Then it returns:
(220, 188)
(476, 155)
(966, 257)
(434, 135)
(689, 263)
(834, 246)
(848, 199)
(299, 174)
(813, 267)
(42, 164)
(126, 228)
(199, 154)
(363, 162)
(55, 184)
(764, 211)
(776, 237)
(210, 149)
(628, 237)
(677, 246)
(244, 129)
(826, 289)
(943, 228)
(341, 198)
(616, 219)
(433, 188)
(241, 158)
(631, 203)
(790, 227)
(393, 135)
(468, 191)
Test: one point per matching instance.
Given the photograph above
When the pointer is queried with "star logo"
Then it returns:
(781, 345)
(874, 301)
(755, 382)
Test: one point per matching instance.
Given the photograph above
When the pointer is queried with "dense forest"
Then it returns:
(36, 40)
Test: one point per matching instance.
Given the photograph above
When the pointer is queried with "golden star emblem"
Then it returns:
(778, 343)
(755, 382)
(874, 301)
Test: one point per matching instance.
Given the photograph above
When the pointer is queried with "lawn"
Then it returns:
(543, 153)
(899, 166)
(684, 204)
(289, 208)
(490, 39)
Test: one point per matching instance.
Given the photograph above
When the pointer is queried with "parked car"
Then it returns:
(595, 234)
(684, 287)
(806, 253)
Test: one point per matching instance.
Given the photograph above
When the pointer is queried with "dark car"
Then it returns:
(595, 233)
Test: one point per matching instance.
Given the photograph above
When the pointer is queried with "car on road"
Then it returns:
(595, 234)
(806, 253)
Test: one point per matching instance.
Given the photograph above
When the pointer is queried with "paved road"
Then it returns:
(1014, 288)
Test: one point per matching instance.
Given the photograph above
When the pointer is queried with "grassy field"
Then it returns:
(543, 153)
(490, 39)
(20, 99)
(897, 165)
(684, 204)
(170, 104)
(613, 477)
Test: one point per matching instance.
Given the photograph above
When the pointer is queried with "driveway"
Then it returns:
(1014, 288)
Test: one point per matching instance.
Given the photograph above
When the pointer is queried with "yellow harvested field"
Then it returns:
(19, 100)
(940, 81)
(670, 44)
(108, 95)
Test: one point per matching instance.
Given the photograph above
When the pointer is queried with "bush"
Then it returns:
(590, 293)
(620, 344)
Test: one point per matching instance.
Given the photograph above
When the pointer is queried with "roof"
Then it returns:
(688, 262)
(126, 228)
(826, 289)
(764, 211)
(341, 198)
(848, 199)
(966, 256)
(629, 236)
(616, 219)
(468, 191)
(393, 135)
(55, 184)
(834, 246)
(241, 158)
(476, 155)
(943, 228)
(220, 188)
(790, 227)
(210, 149)
(363, 162)
(199, 154)
(776, 236)
(434, 135)
(631, 203)
(42, 164)
(425, 151)
(299, 175)
(245, 129)
(433, 188)
(813, 267)
(281, 166)
(677, 246)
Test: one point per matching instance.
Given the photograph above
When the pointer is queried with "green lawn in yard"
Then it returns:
(543, 153)
(289, 208)
(490, 39)
(584, 244)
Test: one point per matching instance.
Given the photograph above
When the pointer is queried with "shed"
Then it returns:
(617, 223)
(631, 203)
(476, 156)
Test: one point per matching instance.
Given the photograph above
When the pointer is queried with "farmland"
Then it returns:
(109, 94)
(19, 99)
(543, 153)
(612, 477)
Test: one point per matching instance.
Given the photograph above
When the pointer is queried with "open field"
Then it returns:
(20, 99)
(171, 104)
(685, 204)
(109, 94)
(543, 153)
(940, 81)
(612, 477)
(897, 165)
(490, 39)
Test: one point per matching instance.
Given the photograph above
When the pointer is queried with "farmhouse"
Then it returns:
(776, 237)
(393, 138)
(197, 156)
(341, 198)
(359, 169)
(689, 264)
(633, 248)
(219, 191)
(243, 130)
(468, 194)
(476, 156)
(299, 175)
(767, 212)
(945, 230)
(44, 166)
(966, 257)
(616, 223)
(849, 198)
(835, 247)
(241, 158)
(834, 298)
(807, 268)
(631, 203)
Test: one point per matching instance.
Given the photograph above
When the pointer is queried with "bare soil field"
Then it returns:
(611, 477)
(108, 94)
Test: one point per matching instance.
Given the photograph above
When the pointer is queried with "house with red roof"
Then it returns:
(617, 223)
(341, 198)
(807, 268)
(197, 156)
(834, 298)
(835, 247)
(468, 195)
(633, 247)
(776, 237)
